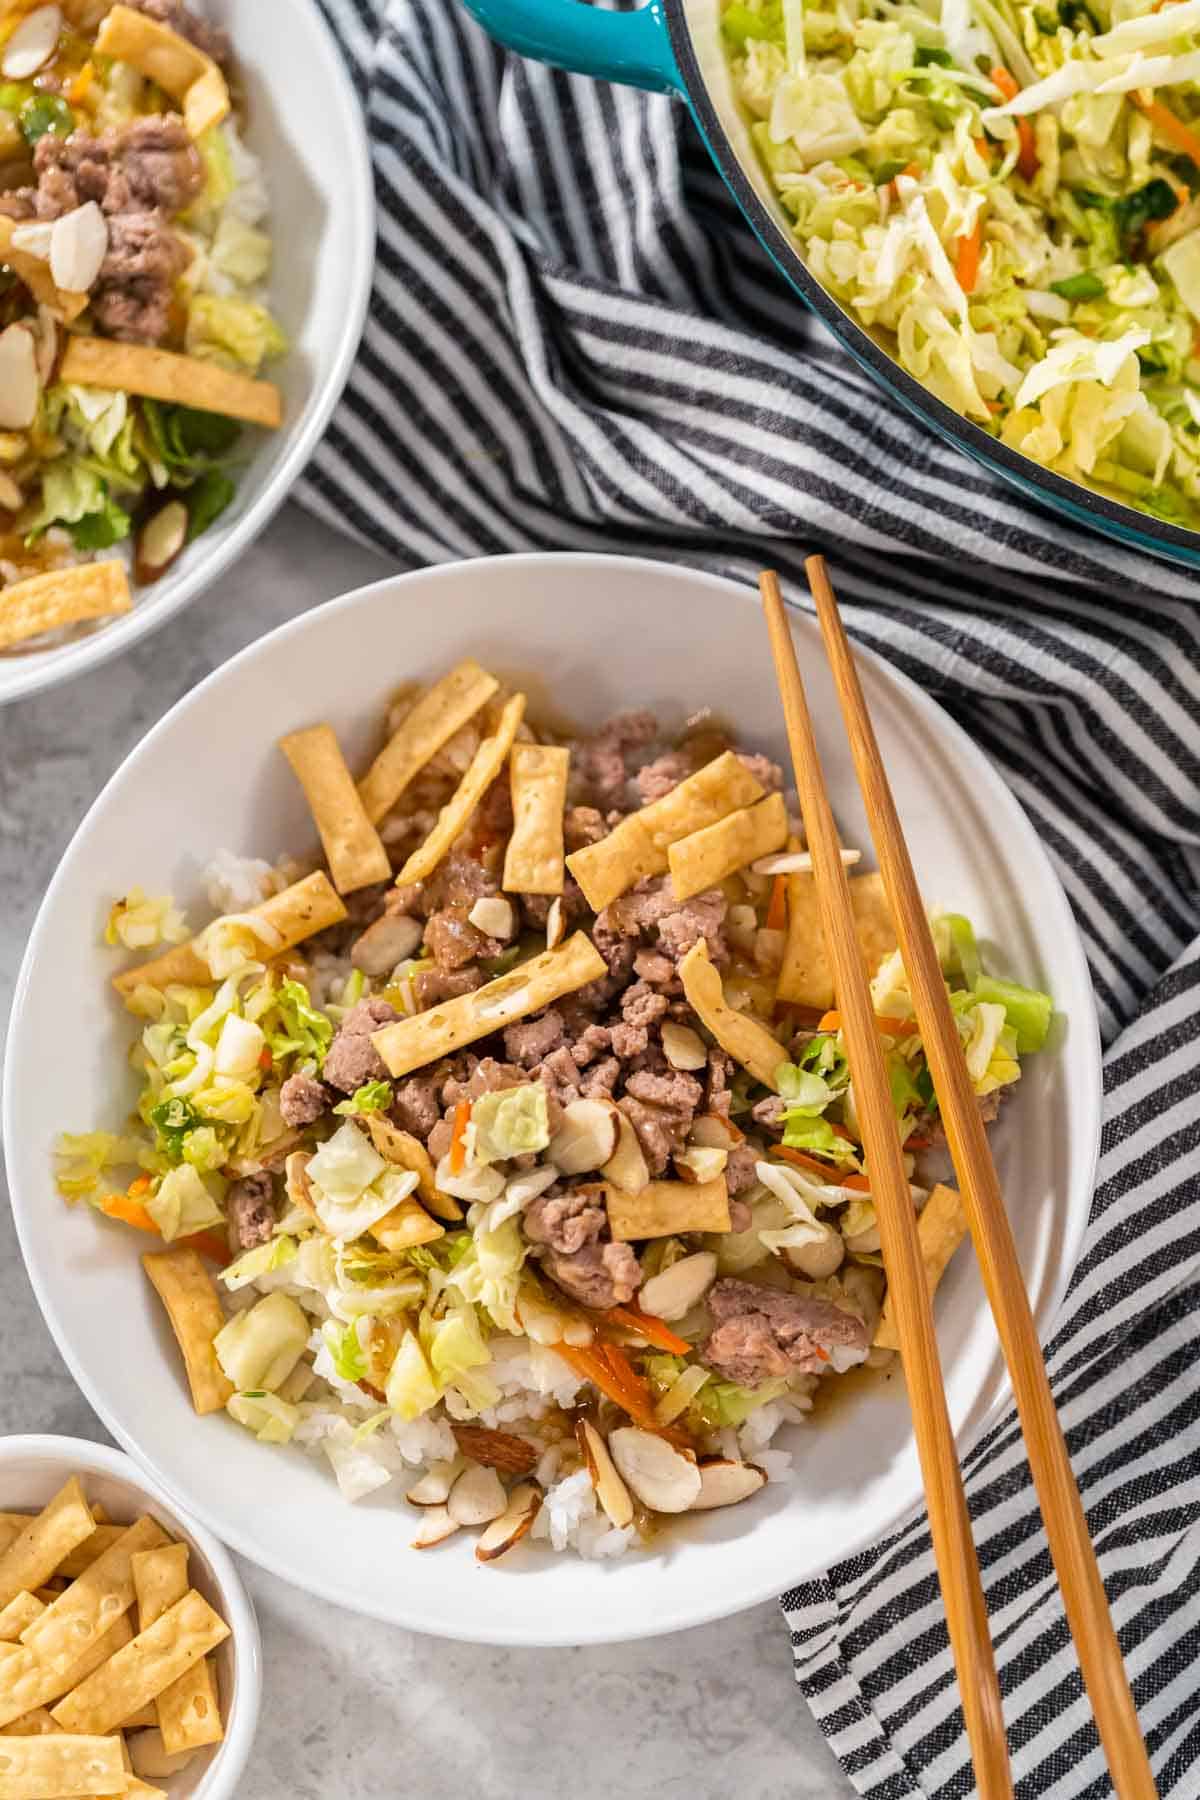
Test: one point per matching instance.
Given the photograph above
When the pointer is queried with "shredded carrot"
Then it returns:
(1027, 156)
(983, 148)
(966, 267)
(917, 1143)
(655, 1331)
(129, 1210)
(264, 1058)
(890, 1026)
(830, 1021)
(840, 1130)
(858, 1183)
(615, 1378)
(458, 1137)
(1165, 122)
(801, 1160)
(210, 1244)
(777, 910)
(81, 84)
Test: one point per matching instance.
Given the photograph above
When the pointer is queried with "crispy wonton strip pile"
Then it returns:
(60, 1767)
(748, 1042)
(639, 845)
(188, 1713)
(34, 271)
(533, 862)
(704, 859)
(97, 590)
(433, 721)
(806, 974)
(941, 1228)
(40, 1544)
(288, 918)
(353, 848)
(186, 1289)
(454, 817)
(165, 375)
(411, 1043)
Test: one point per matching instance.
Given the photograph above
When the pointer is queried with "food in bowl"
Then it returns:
(525, 1115)
(106, 1674)
(1007, 197)
(134, 314)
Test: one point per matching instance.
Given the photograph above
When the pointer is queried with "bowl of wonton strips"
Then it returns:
(469, 1131)
(129, 1650)
(170, 340)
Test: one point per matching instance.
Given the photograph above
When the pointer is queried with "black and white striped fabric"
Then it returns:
(575, 343)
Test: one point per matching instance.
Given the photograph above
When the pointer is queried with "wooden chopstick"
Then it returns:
(1062, 1511)
(949, 1522)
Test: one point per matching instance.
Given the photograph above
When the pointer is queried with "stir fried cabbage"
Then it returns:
(1007, 196)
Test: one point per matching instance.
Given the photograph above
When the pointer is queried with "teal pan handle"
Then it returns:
(631, 47)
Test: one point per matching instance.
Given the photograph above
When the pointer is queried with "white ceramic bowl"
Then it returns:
(32, 1469)
(597, 634)
(304, 120)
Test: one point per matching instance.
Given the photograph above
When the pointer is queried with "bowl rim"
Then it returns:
(241, 1723)
(74, 659)
(952, 735)
(1057, 493)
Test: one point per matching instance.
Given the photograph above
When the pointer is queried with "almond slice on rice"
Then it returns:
(663, 1478)
(611, 1491)
(477, 1497)
(724, 1483)
(435, 1527)
(513, 1524)
(495, 1449)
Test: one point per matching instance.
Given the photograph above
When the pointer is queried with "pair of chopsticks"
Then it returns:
(950, 1526)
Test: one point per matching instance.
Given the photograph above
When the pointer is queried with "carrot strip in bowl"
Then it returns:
(655, 1331)
(1027, 156)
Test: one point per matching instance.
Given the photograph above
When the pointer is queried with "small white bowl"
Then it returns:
(303, 119)
(32, 1469)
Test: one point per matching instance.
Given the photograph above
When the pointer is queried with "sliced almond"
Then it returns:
(586, 1137)
(627, 1168)
(11, 498)
(32, 43)
(160, 541)
(493, 915)
(435, 1527)
(556, 923)
(34, 238)
(663, 1478)
(724, 1483)
(711, 1132)
(19, 389)
(390, 940)
(433, 1488)
(496, 1449)
(611, 1491)
(477, 1497)
(45, 349)
(295, 1175)
(683, 1047)
(673, 1293)
(512, 1525)
(696, 1164)
(78, 246)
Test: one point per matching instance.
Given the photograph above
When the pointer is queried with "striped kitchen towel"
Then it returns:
(575, 343)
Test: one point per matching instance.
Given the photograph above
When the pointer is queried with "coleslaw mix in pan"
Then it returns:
(508, 1157)
(134, 315)
(1007, 196)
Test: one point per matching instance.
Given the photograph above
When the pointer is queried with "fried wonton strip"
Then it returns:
(37, 1723)
(639, 845)
(353, 848)
(21, 1611)
(432, 722)
(80, 1615)
(663, 1208)
(173, 62)
(34, 271)
(406, 1226)
(941, 1228)
(97, 590)
(186, 1289)
(533, 862)
(288, 918)
(454, 817)
(144, 1719)
(165, 375)
(27, 1684)
(706, 857)
(59, 1767)
(39, 1547)
(407, 1152)
(748, 1042)
(158, 1656)
(806, 974)
(186, 1712)
(136, 1789)
(410, 1043)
